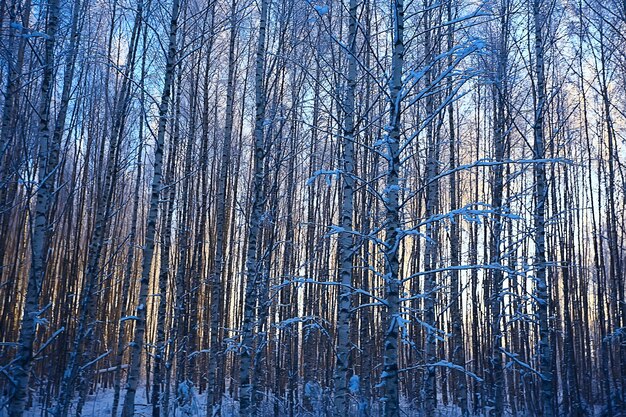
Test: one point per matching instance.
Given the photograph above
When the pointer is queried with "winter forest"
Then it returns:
(313, 208)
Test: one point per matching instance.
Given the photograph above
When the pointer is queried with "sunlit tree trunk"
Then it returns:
(159, 406)
(155, 193)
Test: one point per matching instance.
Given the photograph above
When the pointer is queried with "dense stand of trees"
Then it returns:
(346, 207)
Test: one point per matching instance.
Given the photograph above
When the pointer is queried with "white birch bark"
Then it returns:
(47, 159)
(253, 269)
(160, 406)
(346, 249)
(389, 376)
(541, 196)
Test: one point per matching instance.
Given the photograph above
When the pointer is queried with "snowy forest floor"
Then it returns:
(99, 404)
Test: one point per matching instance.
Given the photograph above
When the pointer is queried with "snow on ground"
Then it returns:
(100, 404)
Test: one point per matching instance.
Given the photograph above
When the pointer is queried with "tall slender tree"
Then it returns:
(47, 165)
(540, 21)
(253, 269)
(390, 376)
(346, 237)
(155, 195)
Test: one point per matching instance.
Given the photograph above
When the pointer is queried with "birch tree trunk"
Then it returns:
(346, 238)
(132, 238)
(47, 160)
(541, 196)
(132, 241)
(456, 301)
(615, 267)
(500, 133)
(158, 394)
(429, 387)
(198, 263)
(253, 268)
(155, 192)
(390, 380)
(179, 335)
(215, 279)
